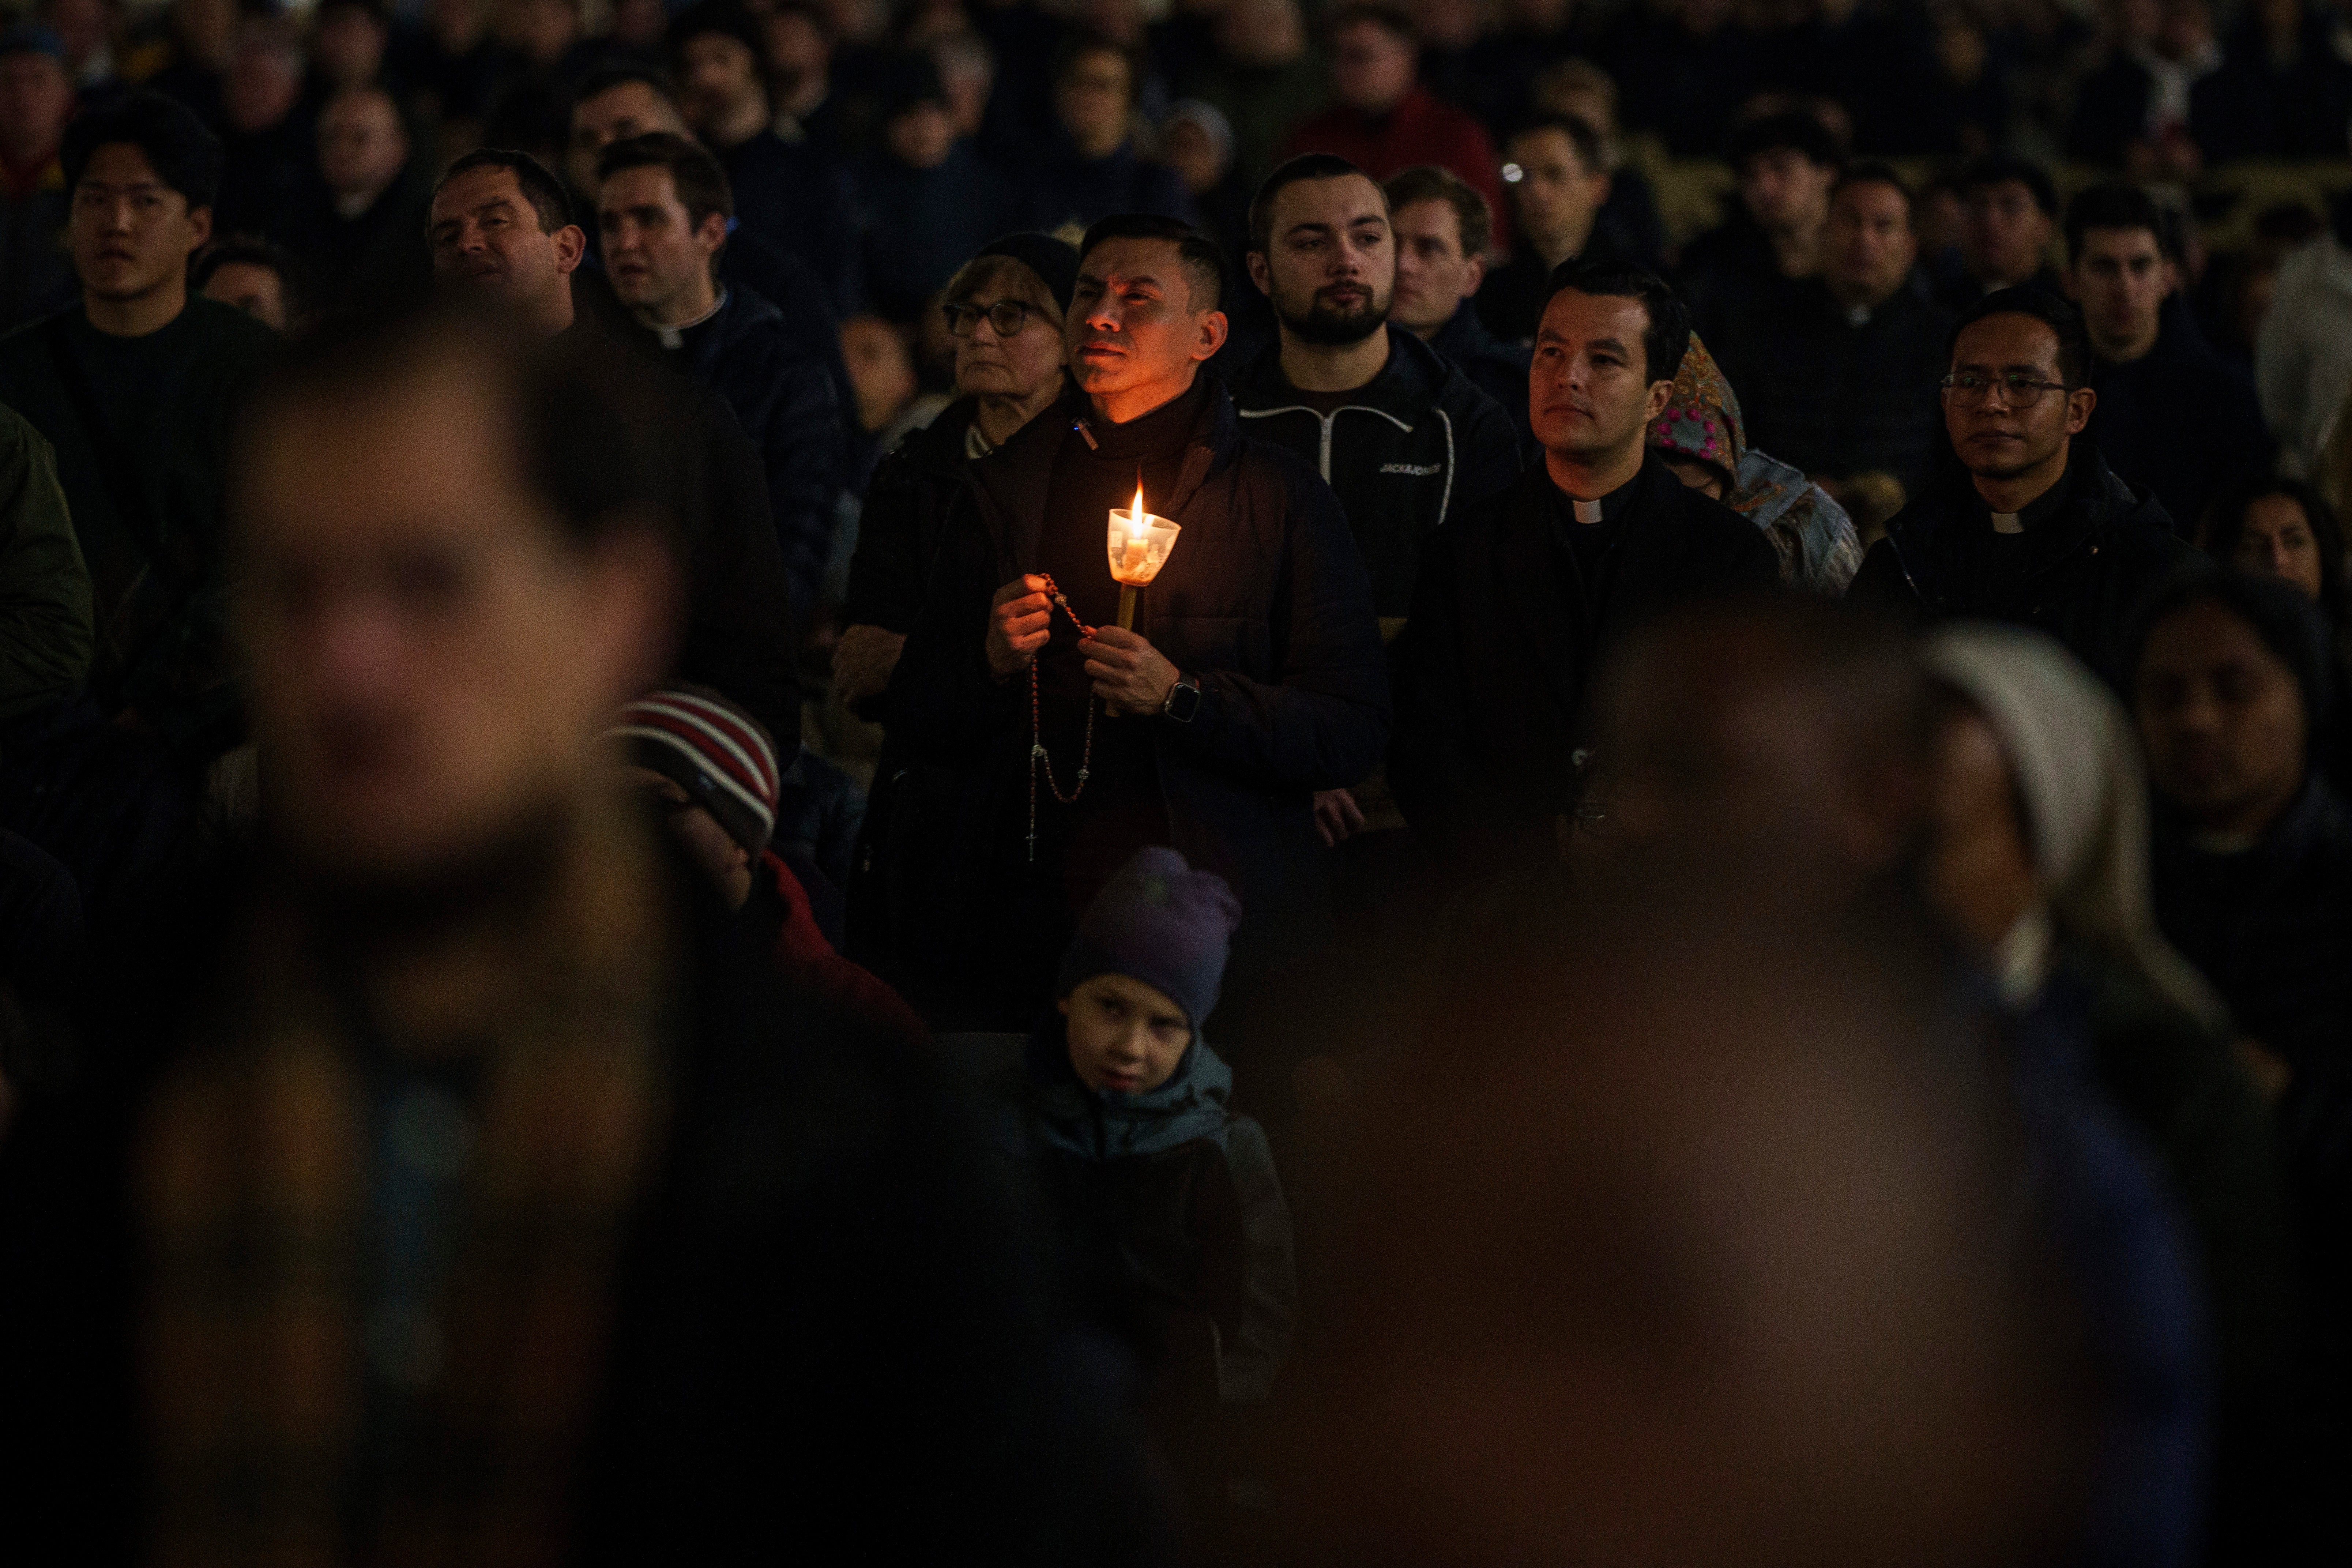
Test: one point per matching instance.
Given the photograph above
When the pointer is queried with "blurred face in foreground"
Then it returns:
(2275, 540)
(431, 657)
(1125, 1038)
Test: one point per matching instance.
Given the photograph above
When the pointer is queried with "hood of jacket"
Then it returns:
(1067, 1116)
(1406, 389)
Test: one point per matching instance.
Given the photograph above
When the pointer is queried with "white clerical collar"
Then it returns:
(1586, 510)
(675, 337)
(2008, 522)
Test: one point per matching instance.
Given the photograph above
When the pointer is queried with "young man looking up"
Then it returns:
(1401, 435)
(663, 205)
(132, 387)
(1445, 233)
(502, 237)
(2171, 413)
(1251, 680)
(1557, 567)
(2043, 533)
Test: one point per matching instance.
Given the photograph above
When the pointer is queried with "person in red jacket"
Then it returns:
(714, 771)
(1384, 120)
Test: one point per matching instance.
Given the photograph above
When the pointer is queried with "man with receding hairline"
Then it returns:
(1046, 743)
(502, 235)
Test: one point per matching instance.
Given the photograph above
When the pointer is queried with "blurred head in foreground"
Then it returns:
(451, 571)
(1693, 1250)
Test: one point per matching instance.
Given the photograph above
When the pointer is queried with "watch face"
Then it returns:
(1183, 701)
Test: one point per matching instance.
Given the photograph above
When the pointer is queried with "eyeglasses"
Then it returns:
(2019, 390)
(1005, 317)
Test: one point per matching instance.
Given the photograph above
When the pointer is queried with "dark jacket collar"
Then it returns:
(936, 450)
(1405, 390)
(1011, 483)
(1945, 528)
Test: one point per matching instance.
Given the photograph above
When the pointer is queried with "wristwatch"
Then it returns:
(1183, 700)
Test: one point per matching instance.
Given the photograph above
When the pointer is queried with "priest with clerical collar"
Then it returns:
(1521, 595)
(2031, 527)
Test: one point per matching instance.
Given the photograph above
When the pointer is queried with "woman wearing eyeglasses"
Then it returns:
(1005, 310)
(2032, 527)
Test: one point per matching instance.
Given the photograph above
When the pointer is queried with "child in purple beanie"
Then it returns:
(1175, 1218)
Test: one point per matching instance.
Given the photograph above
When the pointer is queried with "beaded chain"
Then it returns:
(1038, 756)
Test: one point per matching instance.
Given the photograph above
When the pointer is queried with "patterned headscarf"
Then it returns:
(1810, 533)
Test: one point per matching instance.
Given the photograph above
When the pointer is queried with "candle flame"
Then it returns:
(1135, 518)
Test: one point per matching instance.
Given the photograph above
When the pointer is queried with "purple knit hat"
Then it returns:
(1159, 921)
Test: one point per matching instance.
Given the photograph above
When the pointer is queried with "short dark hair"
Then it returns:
(603, 79)
(1873, 173)
(1392, 18)
(2052, 309)
(2118, 205)
(1591, 147)
(2001, 168)
(701, 183)
(592, 435)
(1296, 172)
(2225, 522)
(543, 190)
(180, 148)
(1202, 259)
(1665, 340)
(1798, 131)
(1428, 183)
(244, 250)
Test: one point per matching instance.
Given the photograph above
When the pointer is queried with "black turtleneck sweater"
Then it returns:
(1121, 810)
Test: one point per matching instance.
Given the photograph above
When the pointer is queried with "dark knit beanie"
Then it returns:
(2287, 623)
(712, 749)
(1159, 921)
(1054, 261)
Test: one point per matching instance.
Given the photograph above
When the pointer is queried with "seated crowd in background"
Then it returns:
(1220, 781)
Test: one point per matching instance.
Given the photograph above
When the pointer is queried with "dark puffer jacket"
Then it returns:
(780, 384)
(1170, 1208)
(1411, 446)
(2079, 574)
(914, 492)
(1267, 605)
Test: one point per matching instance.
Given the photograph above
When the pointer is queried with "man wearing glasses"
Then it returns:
(2043, 533)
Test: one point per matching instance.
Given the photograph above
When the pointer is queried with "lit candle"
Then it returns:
(1139, 535)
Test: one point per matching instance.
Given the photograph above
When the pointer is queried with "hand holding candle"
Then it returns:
(1139, 543)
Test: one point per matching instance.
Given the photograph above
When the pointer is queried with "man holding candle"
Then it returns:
(1252, 678)
(1522, 595)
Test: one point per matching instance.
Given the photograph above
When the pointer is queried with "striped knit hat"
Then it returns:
(712, 749)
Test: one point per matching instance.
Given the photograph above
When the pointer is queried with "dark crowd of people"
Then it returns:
(1113, 782)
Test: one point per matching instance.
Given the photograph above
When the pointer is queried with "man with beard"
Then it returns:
(1522, 595)
(502, 235)
(1045, 743)
(2038, 530)
(1400, 435)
